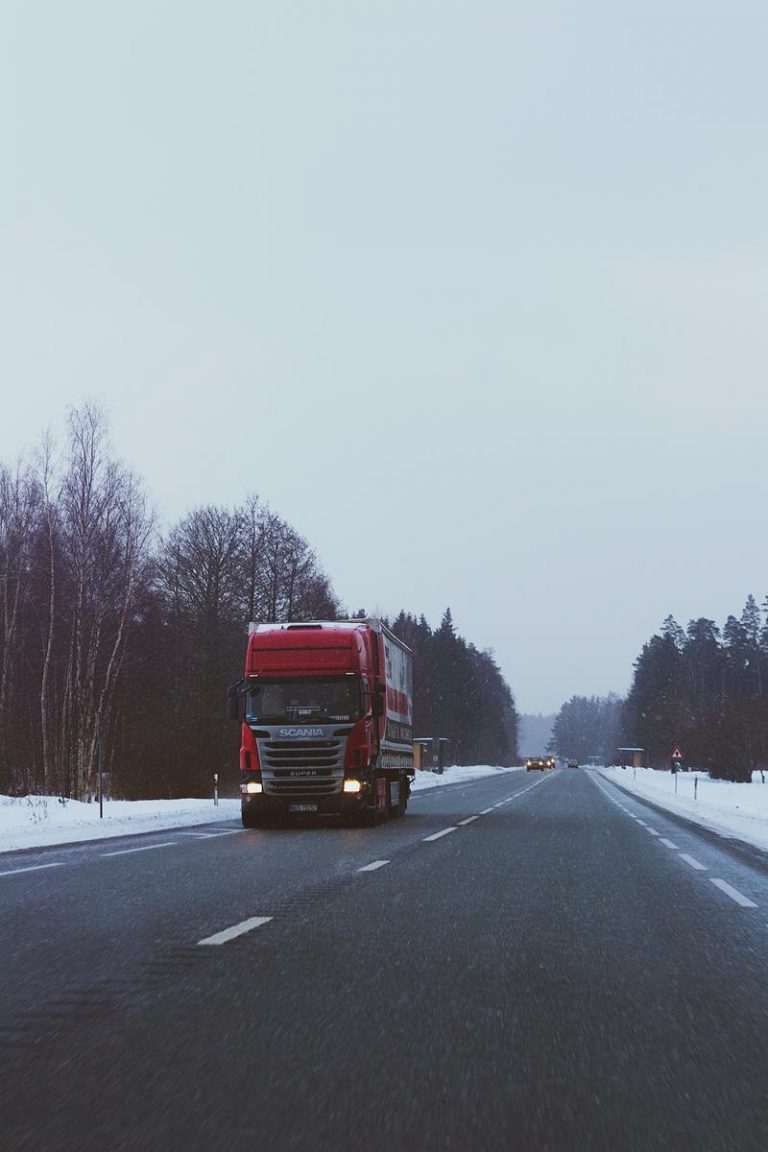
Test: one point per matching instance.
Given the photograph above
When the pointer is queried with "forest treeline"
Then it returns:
(705, 689)
(459, 693)
(588, 729)
(121, 641)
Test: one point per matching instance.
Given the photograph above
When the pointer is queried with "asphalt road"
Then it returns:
(527, 962)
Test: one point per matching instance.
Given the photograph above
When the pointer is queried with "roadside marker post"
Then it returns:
(675, 760)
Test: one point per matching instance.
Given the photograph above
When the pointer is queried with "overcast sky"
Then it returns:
(473, 292)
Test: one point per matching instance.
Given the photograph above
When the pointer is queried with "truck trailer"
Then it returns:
(326, 713)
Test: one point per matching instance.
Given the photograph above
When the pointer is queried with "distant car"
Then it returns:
(539, 763)
(573, 763)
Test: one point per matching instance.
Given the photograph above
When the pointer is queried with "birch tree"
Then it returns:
(104, 530)
(19, 522)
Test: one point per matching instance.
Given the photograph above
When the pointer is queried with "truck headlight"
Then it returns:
(252, 788)
(352, 785)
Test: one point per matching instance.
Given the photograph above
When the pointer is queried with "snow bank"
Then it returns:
(37, 821)
(455, 775)
(739, 810)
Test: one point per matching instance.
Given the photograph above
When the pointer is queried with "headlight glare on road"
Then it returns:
(352, 785)
(252, 788)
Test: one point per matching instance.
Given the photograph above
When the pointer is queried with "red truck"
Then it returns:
(327, 722)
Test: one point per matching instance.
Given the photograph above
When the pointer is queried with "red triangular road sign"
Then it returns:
(676, 754)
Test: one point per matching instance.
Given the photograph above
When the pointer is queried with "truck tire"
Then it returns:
(252, 819)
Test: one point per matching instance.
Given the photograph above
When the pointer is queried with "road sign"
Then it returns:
(676, 754)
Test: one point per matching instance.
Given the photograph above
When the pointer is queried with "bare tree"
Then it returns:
(19, 521)
(201, 564)
(290, 583)
(104, 537)
(45, 470)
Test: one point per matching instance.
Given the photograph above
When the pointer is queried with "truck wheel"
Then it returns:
(251, 819)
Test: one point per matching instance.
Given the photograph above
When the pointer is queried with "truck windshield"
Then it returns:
(333, 699)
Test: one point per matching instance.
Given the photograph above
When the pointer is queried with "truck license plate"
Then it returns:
(303, 808)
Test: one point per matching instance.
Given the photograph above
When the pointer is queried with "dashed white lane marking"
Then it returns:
(32, 868)
(739, 897)
(373, 866)
(236, 930)
(734, 893)
(146, 848)
(437, 835)
(468, 820)
(485, 811)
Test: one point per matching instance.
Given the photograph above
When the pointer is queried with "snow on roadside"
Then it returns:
(38, 821)
(735, 810)
(456, 775)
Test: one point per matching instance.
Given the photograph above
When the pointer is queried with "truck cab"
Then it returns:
(326, 715)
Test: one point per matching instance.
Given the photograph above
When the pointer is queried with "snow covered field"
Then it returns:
(739, 810)
(36, 821)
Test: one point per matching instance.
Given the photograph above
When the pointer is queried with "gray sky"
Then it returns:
(472, 293)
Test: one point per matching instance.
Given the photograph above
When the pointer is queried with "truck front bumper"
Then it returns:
(339, 804)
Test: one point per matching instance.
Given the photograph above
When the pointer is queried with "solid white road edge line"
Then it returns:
(437, 835)
(373, 866)
(236, 930)
(693, 863)
(146, 848)
(33, 868)
(734, 893)
(468, 820)
(669, 844)
(212, 835)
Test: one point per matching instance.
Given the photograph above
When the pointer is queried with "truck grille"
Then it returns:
(302, 767)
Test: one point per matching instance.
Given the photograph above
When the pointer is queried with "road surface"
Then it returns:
(535, 962)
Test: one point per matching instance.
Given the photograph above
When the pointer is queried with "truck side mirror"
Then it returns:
(233, 702)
